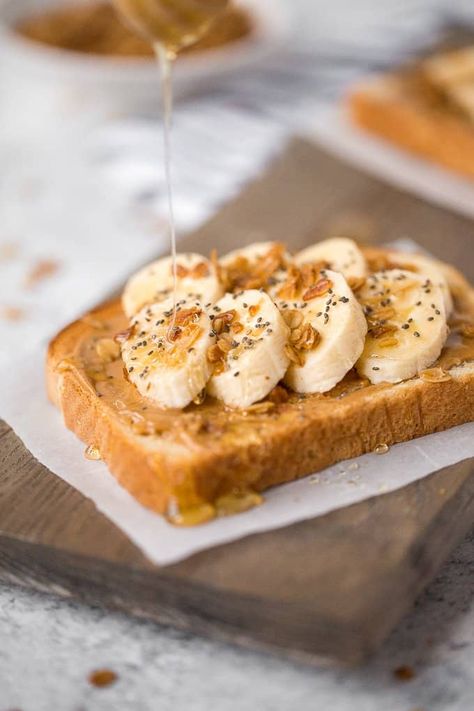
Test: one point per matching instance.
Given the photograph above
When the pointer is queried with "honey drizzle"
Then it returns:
(165, 58)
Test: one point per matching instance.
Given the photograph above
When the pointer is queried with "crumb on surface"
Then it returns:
(43, 269)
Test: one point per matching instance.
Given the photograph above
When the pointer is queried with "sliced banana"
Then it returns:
(166, 355)
(407, 325)
(337, 253)
(328, 332)
(254, 266)
(250, 355)
(197, 279)
(427, 266)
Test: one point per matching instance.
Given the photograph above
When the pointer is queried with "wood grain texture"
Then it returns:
(330, 588)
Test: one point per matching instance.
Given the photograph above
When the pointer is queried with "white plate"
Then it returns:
(126, 83)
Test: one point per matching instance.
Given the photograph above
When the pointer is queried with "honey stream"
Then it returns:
(170, 25)
(165, 59)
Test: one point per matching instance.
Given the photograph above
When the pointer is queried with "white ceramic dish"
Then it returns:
(129, 83)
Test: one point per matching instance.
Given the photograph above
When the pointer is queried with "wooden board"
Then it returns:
(331, 588)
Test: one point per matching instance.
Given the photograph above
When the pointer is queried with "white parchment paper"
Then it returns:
(40, 427)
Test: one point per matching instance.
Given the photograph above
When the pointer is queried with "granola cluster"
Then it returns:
(224, 325)
(243, 274)
(303, 336)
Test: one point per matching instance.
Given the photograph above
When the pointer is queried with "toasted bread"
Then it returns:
(401, 109)
(188, 464)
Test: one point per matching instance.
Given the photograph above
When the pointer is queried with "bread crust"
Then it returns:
(252, 451)
(387, 108)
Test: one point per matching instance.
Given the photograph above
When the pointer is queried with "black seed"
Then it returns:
(416, 334)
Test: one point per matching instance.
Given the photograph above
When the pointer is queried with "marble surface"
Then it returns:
(48, 648)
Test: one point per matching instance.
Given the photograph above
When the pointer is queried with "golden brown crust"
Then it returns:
(253, 451)
(388, 109)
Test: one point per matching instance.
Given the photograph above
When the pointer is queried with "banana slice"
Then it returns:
(254, 267)
(328, 332)
(338, 253)
(407, 325)
(196, 279)
(166, 356)
(250, 354)
(430, 268)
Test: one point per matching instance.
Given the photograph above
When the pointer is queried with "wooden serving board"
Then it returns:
(331, 588)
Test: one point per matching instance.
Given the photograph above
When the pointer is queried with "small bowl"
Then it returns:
(123, 84)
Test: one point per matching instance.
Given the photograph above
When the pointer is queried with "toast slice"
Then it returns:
(427, 109)
(205, 460)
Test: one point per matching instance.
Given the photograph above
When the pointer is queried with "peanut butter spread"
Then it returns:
(201, 423)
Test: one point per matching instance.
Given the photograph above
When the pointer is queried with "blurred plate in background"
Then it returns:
(124, 84)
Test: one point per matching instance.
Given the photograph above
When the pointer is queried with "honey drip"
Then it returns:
(165, 59)
(92, 452)
(170, 26)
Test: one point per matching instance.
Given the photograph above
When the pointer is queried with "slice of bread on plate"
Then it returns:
(427, 108)
(339, 362)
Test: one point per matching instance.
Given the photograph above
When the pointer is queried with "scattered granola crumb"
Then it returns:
(11, 313)
(43, 269)
(435, 375)
(8, 250)
(278, 395)
(102, 677)
(404, 673)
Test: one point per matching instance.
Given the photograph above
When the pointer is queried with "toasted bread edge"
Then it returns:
(441, 138)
